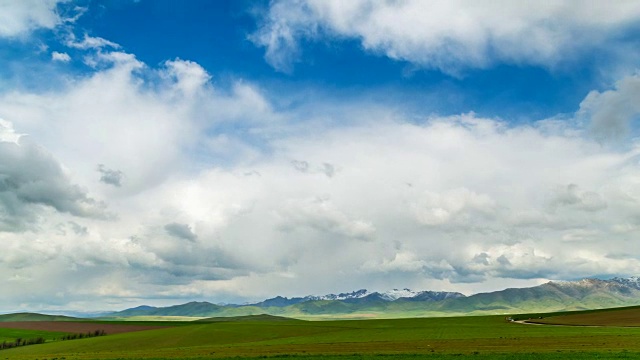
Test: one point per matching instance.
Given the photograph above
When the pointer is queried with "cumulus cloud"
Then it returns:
(446, 35)
(110, 176)
(19, 18)
(188, 76)
(31, 178)
(111, 106)
(611, 112)
(62, 57)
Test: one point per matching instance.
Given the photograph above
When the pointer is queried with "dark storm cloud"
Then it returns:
(182, 231)
(110, 176)
(30, 178)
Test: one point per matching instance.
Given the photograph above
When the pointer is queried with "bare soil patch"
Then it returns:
(76, 327)
(623, 317)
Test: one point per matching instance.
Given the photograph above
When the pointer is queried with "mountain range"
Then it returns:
(363, 296)
(552, 296)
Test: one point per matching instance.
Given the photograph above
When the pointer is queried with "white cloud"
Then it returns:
(188, 75)
(19, 18)
(89, 42)
(447, 35)
(62, 57)
(437, 209)
(401, 261)
(7, 133)
(319, 214)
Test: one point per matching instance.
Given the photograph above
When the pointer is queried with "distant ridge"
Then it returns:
(363, 296)
(553, 296)
(194, 309)
(260, 317)
(27, 316)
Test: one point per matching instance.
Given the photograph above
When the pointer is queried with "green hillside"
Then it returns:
(191, 309)
(546, 297)
(35, 317)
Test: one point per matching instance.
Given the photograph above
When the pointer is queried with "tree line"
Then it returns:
(40, 340)
(21, 342)
(84, 335)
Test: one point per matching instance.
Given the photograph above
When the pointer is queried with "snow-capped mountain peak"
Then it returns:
(390, 295)
(342, 296)
(396, 294)
(633, 281)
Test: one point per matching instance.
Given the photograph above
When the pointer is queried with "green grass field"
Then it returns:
(478, 337)
(10, 335)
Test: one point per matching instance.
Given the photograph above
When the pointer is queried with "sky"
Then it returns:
(158, 152)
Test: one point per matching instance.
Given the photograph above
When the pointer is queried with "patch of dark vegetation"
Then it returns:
(21, 342)
(89, 334)
(40, 340)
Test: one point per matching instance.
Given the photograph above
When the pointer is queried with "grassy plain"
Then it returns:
(10, 335)
(481, 337)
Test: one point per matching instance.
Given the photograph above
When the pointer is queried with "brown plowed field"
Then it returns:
(76, 327)
(617, 317)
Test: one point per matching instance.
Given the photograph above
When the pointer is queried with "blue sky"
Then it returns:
(216, 36)
(162, 151)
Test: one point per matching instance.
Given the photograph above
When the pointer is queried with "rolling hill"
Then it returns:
(26, 316)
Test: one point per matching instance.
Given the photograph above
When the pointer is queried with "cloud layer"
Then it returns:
(205, 211)
(447, 35)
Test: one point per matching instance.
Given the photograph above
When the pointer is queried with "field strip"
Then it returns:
(76, 327)
(525, 322)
